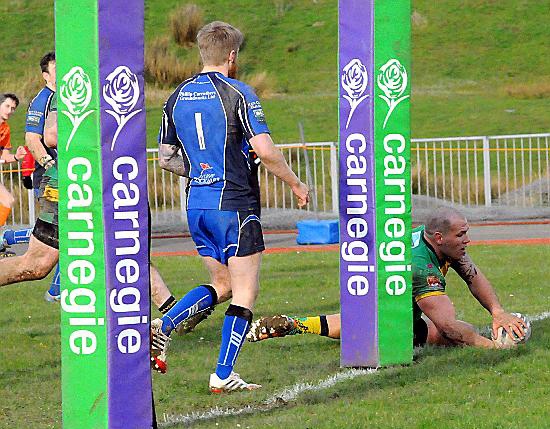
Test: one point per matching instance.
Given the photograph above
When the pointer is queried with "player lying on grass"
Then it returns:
(438, 245)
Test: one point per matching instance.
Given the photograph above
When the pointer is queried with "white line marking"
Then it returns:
(538, 317)
(275, 401)
(281, 398)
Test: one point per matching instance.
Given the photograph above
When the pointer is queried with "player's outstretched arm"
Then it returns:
(276, 164)
(484, 292)
(440, 310)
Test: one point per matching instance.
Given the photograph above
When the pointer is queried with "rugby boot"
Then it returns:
(271, 327)
(231, 384)
(159, 345)
(189, 324)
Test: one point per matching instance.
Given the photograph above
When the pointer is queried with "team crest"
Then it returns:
(433, 281)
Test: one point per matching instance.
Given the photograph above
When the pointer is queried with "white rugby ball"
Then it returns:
(505, 341)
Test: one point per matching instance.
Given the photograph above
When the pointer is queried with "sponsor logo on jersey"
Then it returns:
(207, 176)
(259, 115)
(33, 120)
(433, 281)
(197, 95)
(254, 105)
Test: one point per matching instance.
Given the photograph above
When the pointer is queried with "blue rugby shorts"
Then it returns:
(222, 234)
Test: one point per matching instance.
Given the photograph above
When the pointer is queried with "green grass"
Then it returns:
(465, 56)
(444, 388)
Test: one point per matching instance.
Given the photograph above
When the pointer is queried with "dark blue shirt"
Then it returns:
(212, 118)
(37, 112)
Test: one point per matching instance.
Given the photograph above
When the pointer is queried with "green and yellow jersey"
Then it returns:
(428, 271)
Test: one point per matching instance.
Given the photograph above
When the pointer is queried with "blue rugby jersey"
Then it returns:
(212, 118)
(37, 112)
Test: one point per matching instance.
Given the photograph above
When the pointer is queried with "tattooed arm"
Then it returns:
(482, 290)
(170, 159)
(479, 286)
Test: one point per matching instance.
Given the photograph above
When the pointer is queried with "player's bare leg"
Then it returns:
(159, 291)
(221, 282)
(219, 278)
(35, 264)
(188, 312)
(244, 273)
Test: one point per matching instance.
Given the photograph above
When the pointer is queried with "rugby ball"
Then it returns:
(504, 341)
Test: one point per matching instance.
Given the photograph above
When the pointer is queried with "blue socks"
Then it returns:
(17, 237)
(55, 286)
(235, 327)
(196, 300)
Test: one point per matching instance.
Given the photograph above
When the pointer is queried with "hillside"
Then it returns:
(479, 67)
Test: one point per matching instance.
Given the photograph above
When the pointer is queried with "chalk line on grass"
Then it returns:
(281, 398)
(277, 400)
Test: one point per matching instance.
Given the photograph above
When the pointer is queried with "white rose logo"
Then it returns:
(76, 93)
(355, 80)
(121, 91)
(392, 80)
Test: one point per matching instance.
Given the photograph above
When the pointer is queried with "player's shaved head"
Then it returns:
(216, 40)
(441, 220)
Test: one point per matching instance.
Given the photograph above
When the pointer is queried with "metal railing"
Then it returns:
(483, 171)
(23, 211)
(167, 191)
(477, 171)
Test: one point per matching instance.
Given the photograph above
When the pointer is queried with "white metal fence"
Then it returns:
(473, 171)
(23, 212)
(483, 171)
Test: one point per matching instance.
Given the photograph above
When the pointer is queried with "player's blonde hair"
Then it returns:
(216, 40)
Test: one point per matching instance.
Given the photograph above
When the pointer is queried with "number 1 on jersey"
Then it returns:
(200, 132)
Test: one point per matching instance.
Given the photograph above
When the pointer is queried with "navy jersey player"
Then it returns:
(36, 119)
(42, 254)
(210, 124)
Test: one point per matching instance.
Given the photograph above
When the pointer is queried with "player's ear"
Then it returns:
(232, 56)
(438, 237)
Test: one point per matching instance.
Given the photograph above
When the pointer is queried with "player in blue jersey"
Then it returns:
(438, 245)
(210, 124)
(42, 254)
